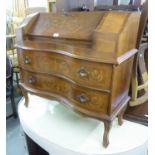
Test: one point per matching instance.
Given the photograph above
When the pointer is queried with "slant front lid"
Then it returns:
(73, 25)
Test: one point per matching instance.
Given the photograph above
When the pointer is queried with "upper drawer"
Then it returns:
(85, 73)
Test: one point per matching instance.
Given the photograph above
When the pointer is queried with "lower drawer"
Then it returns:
(88, 99)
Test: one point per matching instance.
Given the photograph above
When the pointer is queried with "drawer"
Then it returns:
(82, 72)
(80, 97)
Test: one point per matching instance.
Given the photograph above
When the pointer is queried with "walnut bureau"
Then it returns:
(83, 59)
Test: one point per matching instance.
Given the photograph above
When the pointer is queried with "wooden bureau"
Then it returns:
(83, 59)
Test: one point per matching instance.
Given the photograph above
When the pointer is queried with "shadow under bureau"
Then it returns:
(83, 59)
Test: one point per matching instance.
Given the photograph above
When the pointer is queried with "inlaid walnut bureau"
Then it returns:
(81, 58)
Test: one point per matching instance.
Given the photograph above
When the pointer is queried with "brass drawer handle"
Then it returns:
(27, 60)
(83, 72)
(31, 80)
(83, 98)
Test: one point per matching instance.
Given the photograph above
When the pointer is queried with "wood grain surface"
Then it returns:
(82, 59)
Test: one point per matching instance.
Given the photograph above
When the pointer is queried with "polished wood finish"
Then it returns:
(82, 59)
(82, 98)
(120, 116)
(94, 75)
(75, 24)
(107, 127)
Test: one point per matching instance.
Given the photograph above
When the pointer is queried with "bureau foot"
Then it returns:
(25, 94)
(107, 127)
(120, 116)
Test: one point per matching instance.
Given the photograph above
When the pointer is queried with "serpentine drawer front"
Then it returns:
(82, 59)
(93, 74)
(94, 101)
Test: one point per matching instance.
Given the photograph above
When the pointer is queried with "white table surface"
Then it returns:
(61, 131)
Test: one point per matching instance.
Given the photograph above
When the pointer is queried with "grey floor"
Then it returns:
(15, 140)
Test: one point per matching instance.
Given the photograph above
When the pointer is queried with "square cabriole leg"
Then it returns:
(108, 125)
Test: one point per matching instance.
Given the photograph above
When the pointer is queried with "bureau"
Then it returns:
(83, 59)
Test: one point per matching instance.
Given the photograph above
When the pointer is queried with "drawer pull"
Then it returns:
(83, 98)
(83, 72)
(26, 60)
(31, 80)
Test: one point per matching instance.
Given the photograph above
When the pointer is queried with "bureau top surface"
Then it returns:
(67, 25)
(99, 36)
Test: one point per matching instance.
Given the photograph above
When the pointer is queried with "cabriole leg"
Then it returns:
(120, 116)
(25, 94)
(107, 127)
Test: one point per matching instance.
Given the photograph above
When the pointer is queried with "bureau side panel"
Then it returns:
(120, 83)
(128, 36)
